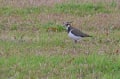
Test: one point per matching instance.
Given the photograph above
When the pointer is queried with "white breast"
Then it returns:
(72, 36)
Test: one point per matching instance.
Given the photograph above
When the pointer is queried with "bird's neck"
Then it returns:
(69, 28)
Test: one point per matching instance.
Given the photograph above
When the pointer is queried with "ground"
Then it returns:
(35, 45)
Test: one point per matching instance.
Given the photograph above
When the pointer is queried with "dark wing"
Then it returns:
(79, 33)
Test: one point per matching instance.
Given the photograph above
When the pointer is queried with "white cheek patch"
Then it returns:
(67, 27)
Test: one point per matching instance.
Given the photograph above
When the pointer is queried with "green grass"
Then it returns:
(68, 8)
(60, 66)
(29, 51)
(51, 25)
(21, 59)
(20, 11)
(80, 9)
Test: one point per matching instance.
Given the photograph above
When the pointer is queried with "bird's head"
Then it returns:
(67, 25)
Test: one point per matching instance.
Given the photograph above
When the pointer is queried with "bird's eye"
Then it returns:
(67, 24)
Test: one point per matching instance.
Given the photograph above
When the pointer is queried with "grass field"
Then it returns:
(35, 45)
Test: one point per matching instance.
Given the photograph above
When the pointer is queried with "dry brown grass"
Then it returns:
(28, 3)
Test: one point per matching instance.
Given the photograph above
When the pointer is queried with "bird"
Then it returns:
(74, 33)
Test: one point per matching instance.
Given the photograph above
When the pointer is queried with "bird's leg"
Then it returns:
(74, 47)
(75, 41)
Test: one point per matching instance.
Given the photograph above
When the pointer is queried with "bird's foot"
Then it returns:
(75, 41)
